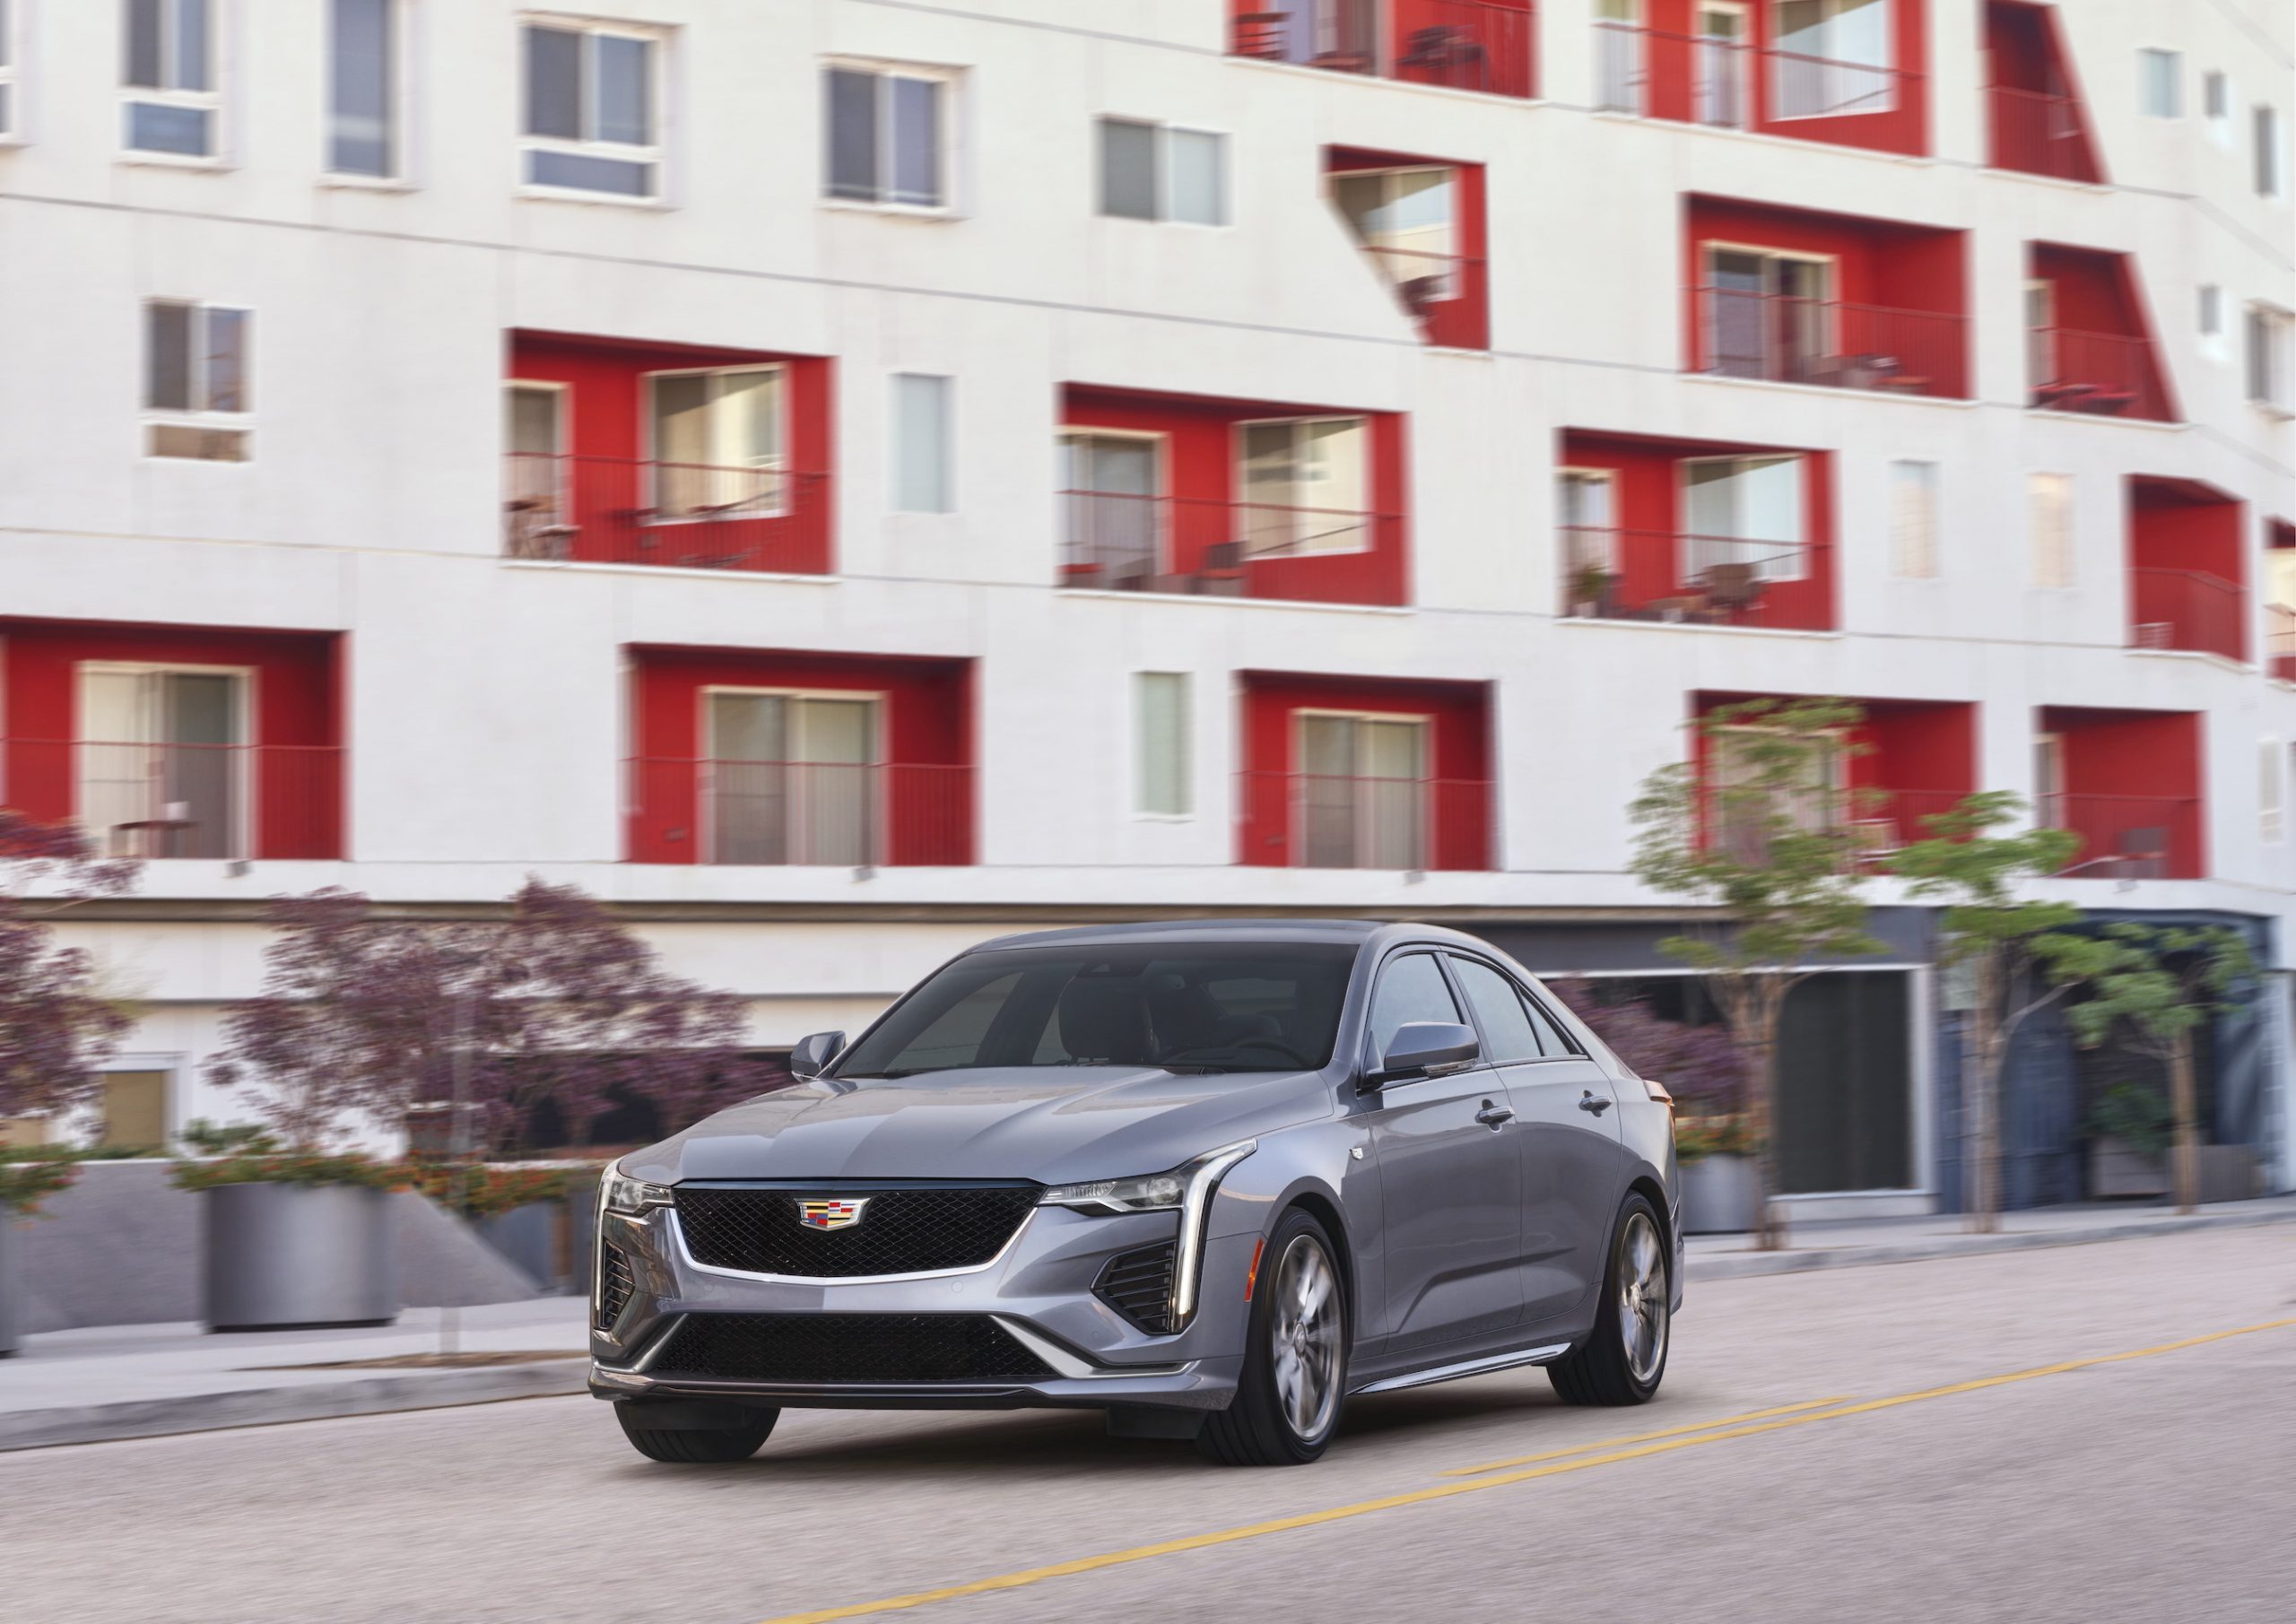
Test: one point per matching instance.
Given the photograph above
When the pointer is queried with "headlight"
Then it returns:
(1187, 1189)
(620, 1192)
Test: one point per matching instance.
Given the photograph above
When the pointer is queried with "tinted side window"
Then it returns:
(1556, 1041)
(1506, 1028)
(1411, 988)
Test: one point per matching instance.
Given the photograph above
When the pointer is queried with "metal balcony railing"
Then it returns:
(1464, 44)
(1654, 575)
(2187, 609)
(1730, 83)
(1111, 541)
(798, 814)
(2127, 837)
(2108, 374)
(2039, 133)
(624, 510)
(1782, 339)
(1330, 820)
(219, 801)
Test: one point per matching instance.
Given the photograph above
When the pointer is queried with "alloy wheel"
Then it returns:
(1305, 1330)
(1642, 1296)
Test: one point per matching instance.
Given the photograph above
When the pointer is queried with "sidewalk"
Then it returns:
(90, 1386)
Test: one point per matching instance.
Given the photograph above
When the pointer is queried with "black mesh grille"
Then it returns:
(899, 1232)
(845, 1347)
(1138, 1285)
(614, 1286)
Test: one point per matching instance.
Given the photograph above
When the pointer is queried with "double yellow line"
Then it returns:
(1522, 1469)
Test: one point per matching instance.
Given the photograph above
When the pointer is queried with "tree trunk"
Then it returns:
(2184, 1101)
(1757, 1039)
(1982, 1055)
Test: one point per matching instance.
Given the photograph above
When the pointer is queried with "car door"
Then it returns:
(1449, 1175)
(1565, 1132)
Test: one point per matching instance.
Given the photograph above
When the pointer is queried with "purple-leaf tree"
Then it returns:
(365, 1014)
(1699, 1065)
(55, 1024)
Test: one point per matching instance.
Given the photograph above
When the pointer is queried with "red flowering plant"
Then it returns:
(1699, 1065)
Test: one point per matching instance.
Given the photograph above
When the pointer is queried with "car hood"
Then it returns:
(1055, 1124)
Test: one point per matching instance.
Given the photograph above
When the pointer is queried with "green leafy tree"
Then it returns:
(2019, 955)
(1755, 830)
(2153, 987)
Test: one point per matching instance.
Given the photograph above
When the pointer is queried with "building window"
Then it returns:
(1153, 171)
(1769, 315)
(593, 110)
(1587, 501)
(1406, 221)
(2267, 350)
(2216, 97)
(1913, 520)
(1361, 798)
(1111, 495)
(888, 139)
(792, 778)
(2212, 311)
(161, 768)
(134, 1112)
(1160, 735)
(715, 443)
(1832, 58)
(920, 443)
(1304, 483)
(173, 108)
(2050, 502)
(195, 393)
(1744, 516)
(2268, 790)
(2268, 156)
(1748, 817)
(10, 111)
(363, 71)
(1618, 55)
(2160, 83)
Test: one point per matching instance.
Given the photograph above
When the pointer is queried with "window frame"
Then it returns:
(2269, 338)
(1186, 760)
(1888, 70)
(1453, 284)
(2068, 543)
(2272, 791)
(1374, 1063)
(1608, 478)
(655, 156)
(880, 706)
(12, 78)
(944, 137)
(1934, 485)
(944, 450)
(1542, 1019)
(2147, 56)
(649, 428)
(1829, 307)
(2269, 159)
(1801, 544)
(1161, 148)
(1295, 817)
(201, 417)
(243, 839)
(398, 104)
(211, 100)
(1239, 438)
(1161, 499)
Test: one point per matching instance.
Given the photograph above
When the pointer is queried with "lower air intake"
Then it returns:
(854, 1347)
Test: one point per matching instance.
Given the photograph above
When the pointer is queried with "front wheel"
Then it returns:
(1295, 1357)
(696, 1446)
(1624, 1356)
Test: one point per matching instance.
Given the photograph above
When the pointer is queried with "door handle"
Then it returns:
(1494, 1116)
(1587, 1102)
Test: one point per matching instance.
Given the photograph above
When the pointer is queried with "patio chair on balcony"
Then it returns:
(534, 529)
(1731, 589)
(1221, 573)
(1448, 53)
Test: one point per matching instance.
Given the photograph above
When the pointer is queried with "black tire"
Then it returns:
(695, 1446)
(1258, 1428)
(1600, 1370)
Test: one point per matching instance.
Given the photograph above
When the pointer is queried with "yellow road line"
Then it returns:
(1639, 1438)
(1420, 1497)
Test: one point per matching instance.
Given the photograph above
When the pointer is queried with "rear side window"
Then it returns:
(1506, 1026)
(1557, 1041)
(1411, 989)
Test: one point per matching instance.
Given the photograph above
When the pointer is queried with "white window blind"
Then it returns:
(2268, 790)
(1160, 733)
(2050, 497)
(362, 89)
(1913, 520)
(921, 483)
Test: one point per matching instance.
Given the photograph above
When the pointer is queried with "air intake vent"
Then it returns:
(614, 1286)
(845, 1347)
(1138, 1285)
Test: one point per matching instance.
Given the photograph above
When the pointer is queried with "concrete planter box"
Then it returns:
(11, 1282)
(538, 1237)
(2118, 1171)
(1720, 1196)
(282, 1257)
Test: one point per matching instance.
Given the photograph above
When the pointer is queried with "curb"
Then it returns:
(269, 1406)
(1737, 1266)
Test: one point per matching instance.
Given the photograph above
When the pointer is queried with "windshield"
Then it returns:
(1209, 1007)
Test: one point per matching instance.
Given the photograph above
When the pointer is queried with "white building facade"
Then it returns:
(840, 479)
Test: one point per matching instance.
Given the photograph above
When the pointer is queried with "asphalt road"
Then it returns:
(2155, 1486)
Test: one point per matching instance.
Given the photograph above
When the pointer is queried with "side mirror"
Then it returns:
(812, 1054)
(1428, 1048)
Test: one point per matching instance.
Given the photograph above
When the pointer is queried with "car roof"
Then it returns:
(1342, 931)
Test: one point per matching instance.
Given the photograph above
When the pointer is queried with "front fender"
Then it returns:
(1329, 1168)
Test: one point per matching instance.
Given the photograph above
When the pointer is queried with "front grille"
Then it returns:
(901, 1231)
(614, 1286)
(1138, 1285)
(845, 1347)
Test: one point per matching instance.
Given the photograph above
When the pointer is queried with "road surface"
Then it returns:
(1833, 1446)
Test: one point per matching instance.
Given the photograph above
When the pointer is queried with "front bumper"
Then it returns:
(1038, 1290)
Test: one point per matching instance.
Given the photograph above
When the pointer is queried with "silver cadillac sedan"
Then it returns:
(1210, 1179)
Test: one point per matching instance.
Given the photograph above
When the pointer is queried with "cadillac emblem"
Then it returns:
(831, 1214)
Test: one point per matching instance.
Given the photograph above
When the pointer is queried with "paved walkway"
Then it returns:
(140, 1381)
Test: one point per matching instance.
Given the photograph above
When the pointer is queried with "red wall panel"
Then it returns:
(1464, 322)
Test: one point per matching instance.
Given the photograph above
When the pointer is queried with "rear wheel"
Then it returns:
(1295, 1355)
(695, 1446)
(1625, 1356)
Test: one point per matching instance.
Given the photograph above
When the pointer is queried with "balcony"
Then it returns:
(219, 801)
(1113, 541)
(1707, 581)
(2127, 837)
(2105, 374)
(1403, 823)
(786, 814)
(1733, 83)
(691, 516)
(2279, 641)
(1777, 338)
(2185, 609)
(1471, 44)
(2041, 132)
